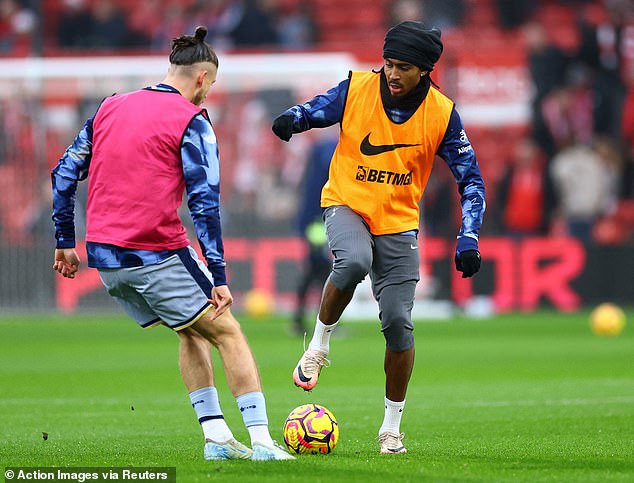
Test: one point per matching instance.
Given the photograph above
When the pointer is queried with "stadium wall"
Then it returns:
(524, 275)
(43, 102)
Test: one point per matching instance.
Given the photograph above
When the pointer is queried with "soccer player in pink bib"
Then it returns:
(140, 152)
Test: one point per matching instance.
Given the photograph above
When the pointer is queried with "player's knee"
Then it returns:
(398, 339)
(350, 272)
(188, 334)
(398, 330)
(193, 339)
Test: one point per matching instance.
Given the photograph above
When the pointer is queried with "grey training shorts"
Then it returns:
(175, 291)
(392, 262)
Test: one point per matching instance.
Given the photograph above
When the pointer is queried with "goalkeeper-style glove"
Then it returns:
(467, 258)
(283, 126)
(468, 263)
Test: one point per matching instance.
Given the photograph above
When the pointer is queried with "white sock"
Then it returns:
(260, 434)
(392, 418)
(207, 407)
(216, 430)
(321, 336)
(253, 408)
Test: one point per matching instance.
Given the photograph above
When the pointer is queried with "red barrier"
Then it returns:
(524, 272)
(566, 259)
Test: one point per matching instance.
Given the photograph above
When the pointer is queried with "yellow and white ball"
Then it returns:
(607, 319)
(258, 303)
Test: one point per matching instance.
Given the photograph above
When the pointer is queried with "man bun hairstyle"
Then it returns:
(192, 49)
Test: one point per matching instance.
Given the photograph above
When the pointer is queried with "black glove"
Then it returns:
(283, 126)
(468, 262)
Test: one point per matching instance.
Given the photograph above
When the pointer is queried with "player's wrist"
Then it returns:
(465, 243)
(63, 244)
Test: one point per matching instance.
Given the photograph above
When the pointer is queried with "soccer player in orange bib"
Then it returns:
(393, 123)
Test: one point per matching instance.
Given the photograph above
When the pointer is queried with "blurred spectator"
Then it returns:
(74, 27)
(522, 192)
(38, 219)
(612, 157)
(260, 168)
(619, 213)
(41, 212)
(402, 10)
(296, 27)
(172, 23)
(217, 16)
(16, 27)
(585, 179)
(110, 28)
(608, 49)
(5, 138)
(318, 262)
(254, 24)
(513, 14)
(547, 66)
(443, 14)
(439, 205)
(627, 130)
(144, 22)
(569, 110)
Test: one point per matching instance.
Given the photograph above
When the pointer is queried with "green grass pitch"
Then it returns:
(518, 397)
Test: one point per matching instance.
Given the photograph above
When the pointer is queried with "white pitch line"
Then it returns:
(464, 404)
(545, 402)
(87, 402)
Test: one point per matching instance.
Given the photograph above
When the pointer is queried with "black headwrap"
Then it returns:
(411, 42)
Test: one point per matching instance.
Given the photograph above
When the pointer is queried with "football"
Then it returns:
(258, 303)
(607, 319)
(311, 429)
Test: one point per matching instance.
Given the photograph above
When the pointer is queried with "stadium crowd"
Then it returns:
(570, 170)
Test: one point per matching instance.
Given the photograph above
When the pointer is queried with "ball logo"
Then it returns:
(362, 173)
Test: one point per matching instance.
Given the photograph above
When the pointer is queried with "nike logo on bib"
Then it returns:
(370, 149)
